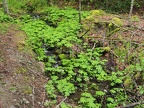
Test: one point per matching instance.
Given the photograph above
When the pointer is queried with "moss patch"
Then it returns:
(118, 22)
(134, 18)
(97, 12)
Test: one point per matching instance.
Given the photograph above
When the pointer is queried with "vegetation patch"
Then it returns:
(97, 63)
(74, 65)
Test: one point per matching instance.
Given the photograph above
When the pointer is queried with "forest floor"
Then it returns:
(22, 78)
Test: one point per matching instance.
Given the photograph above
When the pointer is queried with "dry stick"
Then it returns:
(131, 105)
(104, 36)
(36, 73)
(131, 8)
(94, 46)
(130, 46)
(85, 33)
(114, 54)
(43, 99)
(140, 28)
(61, 102)
(33, 96)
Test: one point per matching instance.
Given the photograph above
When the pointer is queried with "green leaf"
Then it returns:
(109, 99)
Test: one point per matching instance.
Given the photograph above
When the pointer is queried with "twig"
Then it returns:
(114, 53)
(43, 99)
(36, 73)
(61, 102)
(104, 36)
(130, 46)
(33, 96)
(93, 46)
(85, 33)
(140, 28)
(131, 105)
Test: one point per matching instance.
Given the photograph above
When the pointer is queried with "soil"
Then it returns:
(22, 78)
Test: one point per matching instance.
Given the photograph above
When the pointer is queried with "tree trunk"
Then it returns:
(131, 8)
(79, 11)
(5, 6)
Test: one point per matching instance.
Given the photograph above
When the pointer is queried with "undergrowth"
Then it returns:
(75, 68)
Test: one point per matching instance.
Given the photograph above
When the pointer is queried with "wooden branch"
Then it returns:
(85, 33)
(140, 28)
(33, 97)
(131, 105)
(43, 98)
(37, 73)
(61, 102)
(113, 39)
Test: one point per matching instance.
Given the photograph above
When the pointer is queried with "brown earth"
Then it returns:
(22, 78)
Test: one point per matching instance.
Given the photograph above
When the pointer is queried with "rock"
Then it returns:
(12, 106)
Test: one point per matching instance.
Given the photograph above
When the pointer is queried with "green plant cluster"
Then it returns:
(84, 73)
(5, 18)
(41, 34)
(26, 5)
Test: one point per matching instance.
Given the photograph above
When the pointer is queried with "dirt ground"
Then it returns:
(22, 78)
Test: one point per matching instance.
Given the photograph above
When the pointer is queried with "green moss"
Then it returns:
(27, 90)
(97, 12)
(128, 82)
(21, 45)
(13, 89)
(134, 18)
(107, 48)
(90, 18)
(58, 51)
(118, 22)
(137, 75)
(27, 79)
(21, 70)
(110, 25)
(62, 56)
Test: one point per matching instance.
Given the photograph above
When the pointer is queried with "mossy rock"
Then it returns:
(97, 12)
(62, 56)
(107, 49)
(90, 18)
(134, 18)
(117, 22)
